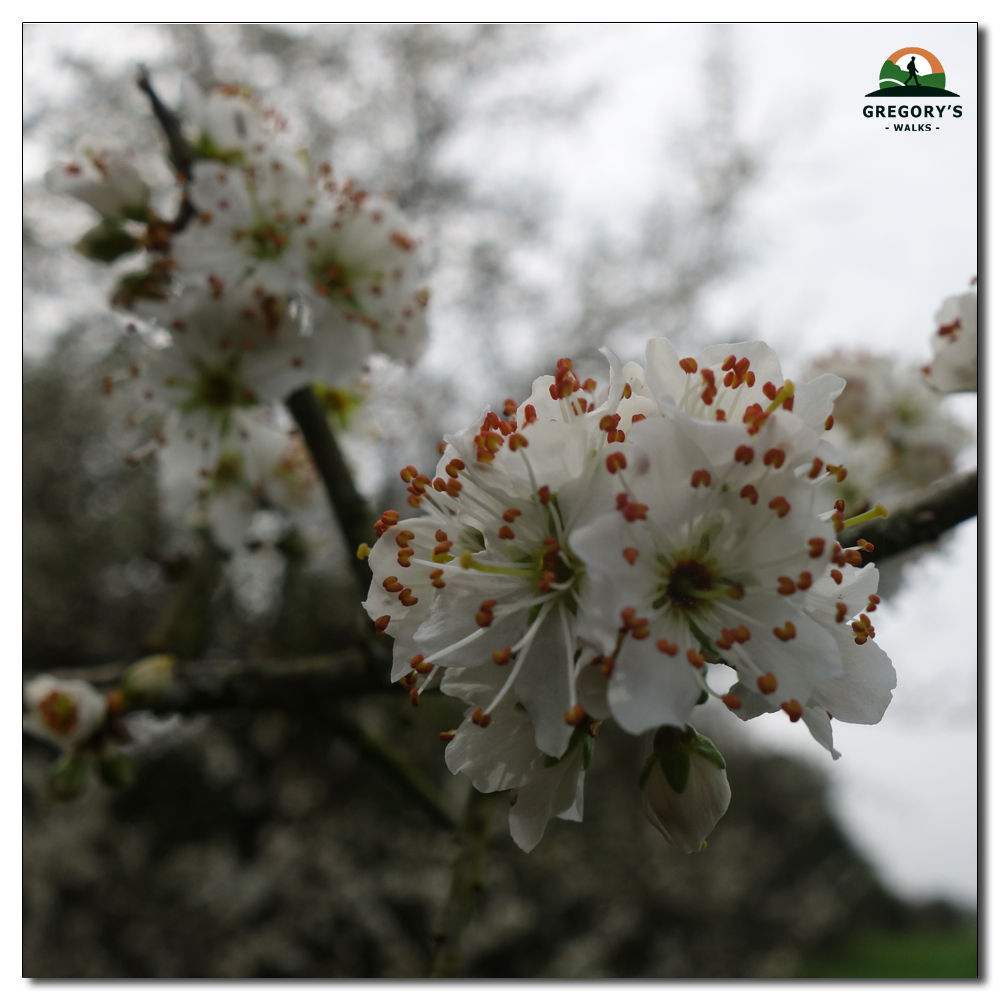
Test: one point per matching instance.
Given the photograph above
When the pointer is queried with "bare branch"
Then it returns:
(350, 507)
(946, 504)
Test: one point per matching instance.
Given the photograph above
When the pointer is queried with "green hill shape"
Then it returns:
(891, 72)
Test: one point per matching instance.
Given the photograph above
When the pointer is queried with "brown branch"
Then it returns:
(466, 881)
(350, 507)
(943, 506)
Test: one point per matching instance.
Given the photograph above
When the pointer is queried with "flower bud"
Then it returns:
(63, 712)
(684, 785)
(148, 680)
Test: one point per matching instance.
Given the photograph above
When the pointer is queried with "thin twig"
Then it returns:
(350, 507)
(945, 505)
(396, 765)
(466, 881)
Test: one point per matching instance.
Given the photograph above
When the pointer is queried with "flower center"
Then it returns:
(60, 712)
(686, 580)
(335, 281)
(267, 241)
(219, 389)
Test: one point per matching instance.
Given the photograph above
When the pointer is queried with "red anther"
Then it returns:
(640, 628)
(550, 544)
(379, 527)
(786, 585)
(421, 666)
(729, 362)
(735, 592)
(750, 378)
(408, 474)
(548, 578)
(505, 532)
(775, 457)
(852, 557)
(403, 557)
(861, 639)
(505, 428)
(414, 697)
(838, 577)
(743, 454)
(485, 720)
(838, 505)
(616, 437)
(442, 447)
(492, 442)
(440, 536)
(749, 493)
(829, 422)
(742, 366)
(544, 494)
(590, 385)
(420, 484)
(770, 390)
(788, 403)
(501, 657)
(621, 501)
(530, 416)
(816, 469)
(864, 544)
(607, 665)
(816, 547)
(453, 488)
(492, 422)
(865, 621)
(708, 396)
(484, 619)
(633, 511)
(732, 702)
(841, 611)
(627, 391)
(741, 634)
(513, 800)
(553, 391)
(407, 599)
(805, 580)
(837, 470)
(793, 708)
(509, 407)
(767, 684)
(689, 365)
(728, 380)
(628, 616)
(516, 441)
(442, 547)
(615, 462)
(454, 467)
(403, 537)
(720, 416)
(696, 659)
(636, 417)
(381, 624)
(609, 422)
(440, 485)
(390, 517)
(391, 585)
(873, 602)
(667, 648)
(478, 717)
(575, 715)
(701, 477)
(781, 505)
(725, 641)
(708, 375)
(630, 555)
(786, 632)
(447, 737)
(435, 577)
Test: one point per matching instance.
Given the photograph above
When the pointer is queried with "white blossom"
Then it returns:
(955, 367)
(102, 175)
(65, 713)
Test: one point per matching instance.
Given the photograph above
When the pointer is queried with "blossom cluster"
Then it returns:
(955, 367)
(579, 557)
(269, 276)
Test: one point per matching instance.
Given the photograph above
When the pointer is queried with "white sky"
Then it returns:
(857, 233)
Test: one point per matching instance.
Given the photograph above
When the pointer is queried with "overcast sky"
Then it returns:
(857, 233)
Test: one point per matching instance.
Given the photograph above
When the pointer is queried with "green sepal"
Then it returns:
(702, 698)
(588, 751)
(676, 766)
(107, 241)
(117, 770)
(67, 778)
(706, 748)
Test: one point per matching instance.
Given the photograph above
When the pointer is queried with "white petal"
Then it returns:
(555, 791)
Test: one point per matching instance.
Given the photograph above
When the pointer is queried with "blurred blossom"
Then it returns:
(102, 175)
(955, 367)
(66, 713)
(893, 431)
(579, 559)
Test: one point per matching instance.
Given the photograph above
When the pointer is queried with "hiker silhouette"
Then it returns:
(912, 67)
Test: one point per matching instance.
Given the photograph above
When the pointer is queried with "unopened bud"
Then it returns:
(148, 680)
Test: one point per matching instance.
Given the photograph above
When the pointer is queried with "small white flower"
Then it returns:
(65, 713)
(227, 124)
(685, 789)
(103, 176)
(955, 367)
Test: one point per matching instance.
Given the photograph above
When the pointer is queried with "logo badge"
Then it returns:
(911, 72)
